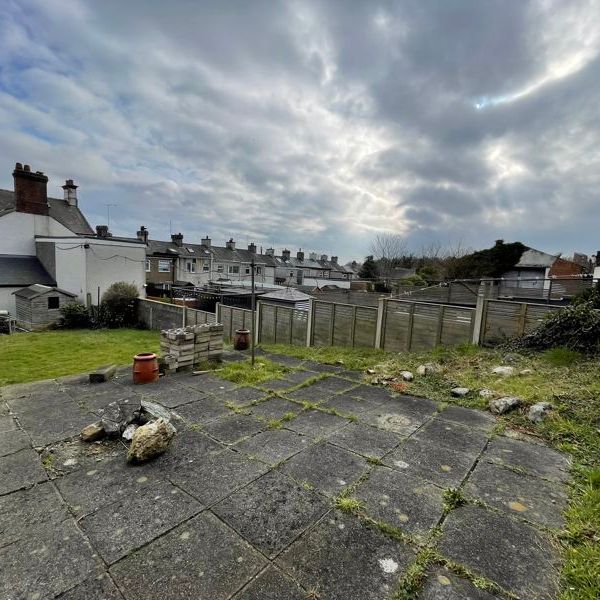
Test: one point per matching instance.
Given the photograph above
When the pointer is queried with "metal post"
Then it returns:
(253, 334)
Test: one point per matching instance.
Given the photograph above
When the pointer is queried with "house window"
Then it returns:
(53, 302)
(190, 265)
(205, 267)
(291, 273)
(247, 270)
(258, 270)
(233, 269)
(147, 265)
(164, 266)
(219, 268)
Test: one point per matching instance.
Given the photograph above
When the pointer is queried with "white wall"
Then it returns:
(320, 282)
(7, 300)
(110, 261)
(18, 231)
(71, 266)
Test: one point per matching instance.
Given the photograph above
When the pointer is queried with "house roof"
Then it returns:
(35, 290)
(288, 294)
(531, 259)
(60, 210)
(16, 270)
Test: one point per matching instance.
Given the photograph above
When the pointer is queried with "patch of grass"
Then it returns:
(234, 408)
(561, 357)
(49, 354)
(274, 424)
(373, 460)
(288, 416)
(308, 405)
(453, 498)
(245, 374)
(415, 575)
(348, 504)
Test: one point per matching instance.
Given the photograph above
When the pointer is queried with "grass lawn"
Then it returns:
(569, 381)
(45, 355)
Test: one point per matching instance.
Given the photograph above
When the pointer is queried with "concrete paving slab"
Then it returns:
(335, 385)
(44, 400)
(271, 584)
(233, 428)
(453, 436)
(316, 424)
(217, 475)
(310, 393)
(98, 587)
(469, 417)
(202, 558)
(354, 375)
(432, 462)
(394, 418)
(442, 584)
(347, 404)
(532, 498)
(207, 383)
(325, 467)
(13, 441)
(510, 553)
(364, 439)
(372, 393)
(416, 404)
(20, 470)
(274, 445)
(7, 423)
(53, 561)
(47, 427)
(174, 397)
(202, 411)
(136, 519)
(242, 396)
(411, 504)
(534, 458)
(320, 367)
(271, 512)
(342, 558)
(189, 448)
(273, 408)
(23, 512)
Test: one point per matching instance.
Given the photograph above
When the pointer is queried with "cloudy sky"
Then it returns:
(312, 124)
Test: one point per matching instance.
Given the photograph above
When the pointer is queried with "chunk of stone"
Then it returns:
(486, 393)
(156, 411)
(407, 375)
(370, 371)
(501, 405)
(150, 440)
(111, 418)
(427, 369)
(129, 431)
(538, 412)
(510, 358)
(526, 372)
(460, 392)
(92, 432)
(102, 374)
(503, 371)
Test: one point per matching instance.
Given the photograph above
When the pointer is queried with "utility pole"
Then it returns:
(108, 215)
(253, 334)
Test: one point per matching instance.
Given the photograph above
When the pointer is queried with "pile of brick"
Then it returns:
(185, 347)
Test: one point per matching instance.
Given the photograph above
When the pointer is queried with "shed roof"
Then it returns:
(35, 290)
(16, 270)
(288, 294)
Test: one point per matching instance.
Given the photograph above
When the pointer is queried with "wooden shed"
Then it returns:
(38, 306)
(290, 297)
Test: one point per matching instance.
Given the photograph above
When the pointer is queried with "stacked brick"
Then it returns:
(185, 347)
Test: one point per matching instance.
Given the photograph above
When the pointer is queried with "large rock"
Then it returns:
(538, 412)
(93, 432)
(502, 405)
(427, 369)
(406, 375)
(112, 417)
(503, 371)
(154, 410)
(150, 440)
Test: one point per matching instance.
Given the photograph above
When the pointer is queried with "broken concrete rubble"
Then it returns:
(93, 432)
(102, 374)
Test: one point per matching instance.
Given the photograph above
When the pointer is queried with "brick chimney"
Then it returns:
(300, 254)
(31, 194)
(285, 254)
(102, 231)
(70, 190)
(142, 234)
(334, 260)
(270, 252)
(230, 245)
(252, 248)
(324, 257)
(206, 241)
(177, 239)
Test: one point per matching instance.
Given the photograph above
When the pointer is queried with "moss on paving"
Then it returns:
(245, 374)
(566, 379)
(49, 354)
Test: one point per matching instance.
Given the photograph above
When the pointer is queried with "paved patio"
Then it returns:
(242, 505)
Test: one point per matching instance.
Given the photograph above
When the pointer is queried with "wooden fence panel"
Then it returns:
(397, 325)
(234, 318)
(365, 326)
(323, 320)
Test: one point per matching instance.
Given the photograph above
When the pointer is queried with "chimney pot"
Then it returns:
(324, 257)
(230, 245)
(70, 191)
(300, 254)
(18, 167)
(102, 231)
(334, 260)
(27, 168)
(270, 252)
(285, 254)
(142, 234)
(177, 238)
(252, 248)
(206, 241)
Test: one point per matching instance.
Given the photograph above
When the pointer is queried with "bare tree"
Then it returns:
(388, 249)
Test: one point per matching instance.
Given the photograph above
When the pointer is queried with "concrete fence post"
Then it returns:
(309, 324)
(379, 337)
(483, 295)
(257, 323)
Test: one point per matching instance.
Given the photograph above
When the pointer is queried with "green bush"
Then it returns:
(576, 328)
(75, 316)
(118, 306)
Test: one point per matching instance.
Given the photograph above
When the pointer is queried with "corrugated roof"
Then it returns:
(35, 290)
(18, 270)
(288, 294)
(60, 210)
(532, 258)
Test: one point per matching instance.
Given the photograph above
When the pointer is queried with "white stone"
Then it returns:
(502, 405)
(460, 392)
(427, 369)
(538, 412)
(407, 375)
(503, 371)
(486, 393)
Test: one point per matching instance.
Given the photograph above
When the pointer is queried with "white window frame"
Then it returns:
(161, 265)
(190, 265)
(148, 266)
(219, 268)
(233, 269)
(258, 270)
